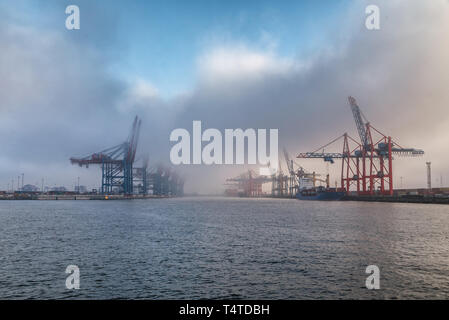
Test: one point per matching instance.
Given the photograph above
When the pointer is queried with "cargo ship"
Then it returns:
(320, 194)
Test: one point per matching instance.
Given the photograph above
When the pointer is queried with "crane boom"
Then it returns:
(361, 126)
(289, 162)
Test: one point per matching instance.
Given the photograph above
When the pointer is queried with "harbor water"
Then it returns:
(220, 248)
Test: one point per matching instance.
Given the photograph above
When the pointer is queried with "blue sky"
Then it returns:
(160, 41)
(164, 40)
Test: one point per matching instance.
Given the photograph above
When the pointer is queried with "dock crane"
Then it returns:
(140, 175)
(250, 182)
(293, 182)
(366, 164)
(116, 162)
(299, 175)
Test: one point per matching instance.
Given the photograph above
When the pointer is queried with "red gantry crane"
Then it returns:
(250, 183)
(367, 165)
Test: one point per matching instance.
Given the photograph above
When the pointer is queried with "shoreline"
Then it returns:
(78, 197)
(429, 199)
(376, 198)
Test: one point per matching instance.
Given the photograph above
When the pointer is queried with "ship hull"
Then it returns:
(321, 196)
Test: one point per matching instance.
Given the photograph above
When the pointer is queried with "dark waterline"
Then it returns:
(217, 248)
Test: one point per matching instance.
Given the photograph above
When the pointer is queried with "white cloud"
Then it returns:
(240, 62)
(144, 89)
(139, 94)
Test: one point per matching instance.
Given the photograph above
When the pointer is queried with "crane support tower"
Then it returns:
(429, 176)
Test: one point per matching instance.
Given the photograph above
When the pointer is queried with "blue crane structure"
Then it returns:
(116, 163)
(119, 174)
(164, 181)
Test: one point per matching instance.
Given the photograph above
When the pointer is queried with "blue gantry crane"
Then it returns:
(116, 163)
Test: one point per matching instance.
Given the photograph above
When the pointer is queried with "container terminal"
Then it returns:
(121, 177)
(366, 171)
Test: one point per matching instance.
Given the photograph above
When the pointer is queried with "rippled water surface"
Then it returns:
(216, 248)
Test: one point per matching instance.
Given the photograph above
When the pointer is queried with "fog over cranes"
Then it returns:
(249, 183)
(119, 174)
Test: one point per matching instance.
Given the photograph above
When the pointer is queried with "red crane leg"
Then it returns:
(390, 166)
(358, 175)
(382, 176)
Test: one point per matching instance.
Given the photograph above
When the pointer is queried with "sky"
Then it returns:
(288, 65)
